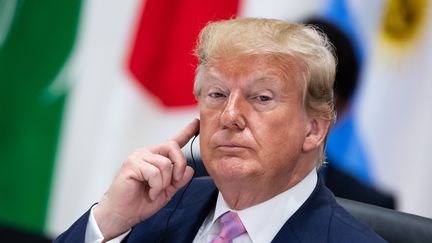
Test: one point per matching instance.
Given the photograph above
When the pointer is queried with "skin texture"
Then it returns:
(256, 138)
(145, 183)
(256, 141)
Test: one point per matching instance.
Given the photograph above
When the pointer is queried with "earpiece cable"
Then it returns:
(194, 165)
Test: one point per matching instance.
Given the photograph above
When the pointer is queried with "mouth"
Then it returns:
(232, 146)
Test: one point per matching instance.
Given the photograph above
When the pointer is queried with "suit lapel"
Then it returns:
(310, 223)
(193, 208)
(192, 211)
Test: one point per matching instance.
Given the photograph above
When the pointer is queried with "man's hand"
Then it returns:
(144, 184)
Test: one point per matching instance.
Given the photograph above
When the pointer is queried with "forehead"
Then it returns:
(259, 68)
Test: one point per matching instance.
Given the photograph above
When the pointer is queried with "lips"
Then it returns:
(232, 147)
(230, 142)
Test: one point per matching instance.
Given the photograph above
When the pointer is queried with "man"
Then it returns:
(264, 89)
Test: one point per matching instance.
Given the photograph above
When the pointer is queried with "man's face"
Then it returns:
(253, 123)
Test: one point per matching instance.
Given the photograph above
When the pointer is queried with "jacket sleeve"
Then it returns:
(75, 233)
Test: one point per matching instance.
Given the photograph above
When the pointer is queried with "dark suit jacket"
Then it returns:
(319, 219)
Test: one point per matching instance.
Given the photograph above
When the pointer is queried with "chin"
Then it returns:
(231, 169)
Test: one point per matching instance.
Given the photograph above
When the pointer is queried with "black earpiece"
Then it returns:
(194, 165)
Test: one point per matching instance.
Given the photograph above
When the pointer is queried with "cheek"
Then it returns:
(282, 140)
(207, 129)
(206, 122)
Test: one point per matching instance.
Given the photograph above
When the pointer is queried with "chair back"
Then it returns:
(392, 225)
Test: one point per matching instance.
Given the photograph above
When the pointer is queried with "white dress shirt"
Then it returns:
(262, 221)
(93, 233)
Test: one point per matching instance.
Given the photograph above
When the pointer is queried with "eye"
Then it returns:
(263, 98)
(216, 95)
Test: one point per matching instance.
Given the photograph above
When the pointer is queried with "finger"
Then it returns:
(187, 176)
(187, 133)
(152, 175)
(179, 162)
(173, 152)
(172, 148)
(164, 165)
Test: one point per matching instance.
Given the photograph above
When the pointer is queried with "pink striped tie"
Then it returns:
(231, 228)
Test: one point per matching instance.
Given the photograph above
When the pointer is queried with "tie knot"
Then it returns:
(231, 227)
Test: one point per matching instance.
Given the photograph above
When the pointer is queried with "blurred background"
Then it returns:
(84, 83)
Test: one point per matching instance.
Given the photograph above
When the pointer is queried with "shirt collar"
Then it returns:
(275, 211)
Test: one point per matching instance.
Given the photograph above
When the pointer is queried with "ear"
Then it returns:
(315, 134)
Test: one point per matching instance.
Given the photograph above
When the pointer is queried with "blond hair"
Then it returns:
(249, 36)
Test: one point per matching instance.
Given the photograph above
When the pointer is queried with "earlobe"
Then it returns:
(316, 133)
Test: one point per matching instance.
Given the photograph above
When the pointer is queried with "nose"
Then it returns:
(232, 115)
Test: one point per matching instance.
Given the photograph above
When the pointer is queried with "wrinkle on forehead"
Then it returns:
(284, 69)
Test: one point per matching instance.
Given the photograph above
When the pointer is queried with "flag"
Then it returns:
(344, 146)
(392, 109)
(383, 140)
(36, 39)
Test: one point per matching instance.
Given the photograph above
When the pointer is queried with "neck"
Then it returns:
(241, 194)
